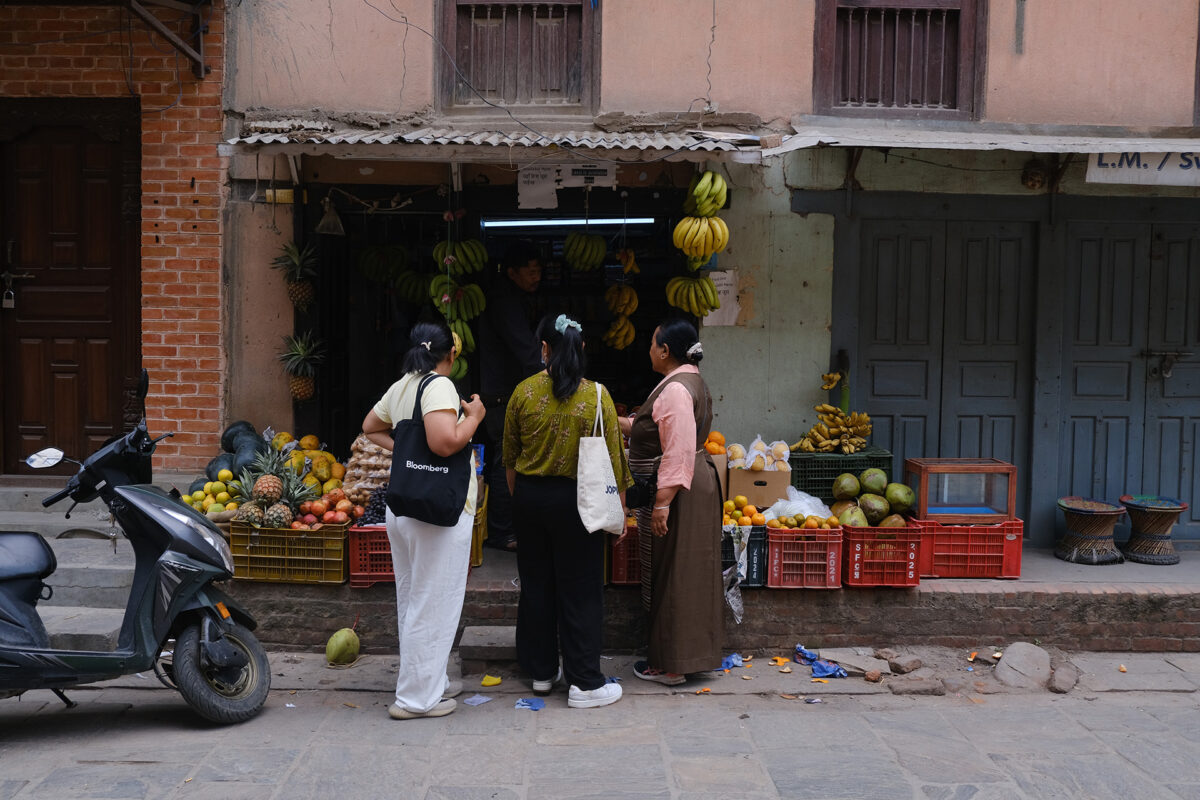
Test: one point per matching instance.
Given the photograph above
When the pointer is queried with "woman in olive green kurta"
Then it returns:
(560, 564)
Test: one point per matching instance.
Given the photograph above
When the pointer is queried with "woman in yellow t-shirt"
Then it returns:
(430, 561)
(560, 564)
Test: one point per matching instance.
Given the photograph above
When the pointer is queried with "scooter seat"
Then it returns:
(24, 554)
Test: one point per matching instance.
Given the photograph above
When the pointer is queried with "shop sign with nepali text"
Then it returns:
(1147, 169)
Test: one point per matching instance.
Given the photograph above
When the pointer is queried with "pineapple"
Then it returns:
(251, 513)
(298, 267)
(300, 356)
(296, 491)
(267, 490)
(277, 516)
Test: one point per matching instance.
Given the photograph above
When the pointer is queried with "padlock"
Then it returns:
(10, 300)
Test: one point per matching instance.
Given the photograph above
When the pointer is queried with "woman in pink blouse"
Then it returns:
(680, 530)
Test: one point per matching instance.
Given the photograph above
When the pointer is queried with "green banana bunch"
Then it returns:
(620, 334)
(621, 299)
(462, 329)
(459, 258)
(700, 237)
(584, 252)
(454, 301)
(697, 296)
(706, 195)
(458, 370)
(411, 286)
(382, 263)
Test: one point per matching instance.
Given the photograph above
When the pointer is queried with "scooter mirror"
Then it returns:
(45, 458)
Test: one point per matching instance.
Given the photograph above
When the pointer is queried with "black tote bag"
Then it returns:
(424, 485)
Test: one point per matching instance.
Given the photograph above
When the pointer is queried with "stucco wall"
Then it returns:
(1093, 62)
(655, 56)
(297, 54)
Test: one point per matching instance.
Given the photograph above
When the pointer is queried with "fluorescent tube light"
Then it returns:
(558, 223)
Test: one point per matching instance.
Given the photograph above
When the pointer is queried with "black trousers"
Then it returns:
(561, 567)
(499, 514)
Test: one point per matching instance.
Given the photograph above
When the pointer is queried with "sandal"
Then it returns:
(644, 671)
(508, 543)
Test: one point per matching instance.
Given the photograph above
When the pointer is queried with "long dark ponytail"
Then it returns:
(431, 342)
(567, 362)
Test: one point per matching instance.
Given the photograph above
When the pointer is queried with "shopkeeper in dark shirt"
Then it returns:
(509, 353)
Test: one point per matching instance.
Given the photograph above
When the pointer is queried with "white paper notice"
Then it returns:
(727, 292)
(588, 174)
(537, 187)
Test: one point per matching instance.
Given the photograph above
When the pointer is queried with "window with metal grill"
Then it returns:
(898, 59)
(519, 55)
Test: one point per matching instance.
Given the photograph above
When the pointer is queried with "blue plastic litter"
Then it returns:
(732, 660)
(820, 667)
(613, 679)
(477, 700)
(531, 703)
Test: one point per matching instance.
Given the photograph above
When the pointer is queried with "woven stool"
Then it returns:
(1089, 536)
(1152, 519)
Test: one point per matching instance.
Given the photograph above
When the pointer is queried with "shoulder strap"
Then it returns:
(425, 381)
(598, 424)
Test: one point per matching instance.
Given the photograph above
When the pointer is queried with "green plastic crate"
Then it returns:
(813, 473)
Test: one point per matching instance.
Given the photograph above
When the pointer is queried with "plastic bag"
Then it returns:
(736, 452)
(798, 504)
(758, 444)
(737, 463)
(779, 450)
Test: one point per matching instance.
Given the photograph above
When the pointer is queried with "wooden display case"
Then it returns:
(963, 490)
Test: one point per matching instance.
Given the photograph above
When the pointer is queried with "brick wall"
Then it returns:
(103, 51)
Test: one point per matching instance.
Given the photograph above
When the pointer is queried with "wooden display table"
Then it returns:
(967, 491)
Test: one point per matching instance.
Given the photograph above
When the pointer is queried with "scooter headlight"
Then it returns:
(210, 536)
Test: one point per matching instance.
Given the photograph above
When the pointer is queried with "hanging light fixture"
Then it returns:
(331, 223)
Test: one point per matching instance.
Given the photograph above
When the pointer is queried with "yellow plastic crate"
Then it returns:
(281, 555)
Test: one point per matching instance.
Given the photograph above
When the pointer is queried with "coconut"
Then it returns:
(873, 480)
(900, 497)
(892, 521)
(342, 647)
(853, 517)
(845, 487)
(874, 506)
(841, 505)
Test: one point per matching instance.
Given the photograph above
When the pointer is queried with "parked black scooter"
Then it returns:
(216, 663)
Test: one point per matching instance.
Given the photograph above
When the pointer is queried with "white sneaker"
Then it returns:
(443, 707)
(545, 687)
(453, 689)
(606, 695)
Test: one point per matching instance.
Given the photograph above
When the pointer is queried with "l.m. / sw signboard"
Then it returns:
(1148, 169)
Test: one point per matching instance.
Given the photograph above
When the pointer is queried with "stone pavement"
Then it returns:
(325, 733)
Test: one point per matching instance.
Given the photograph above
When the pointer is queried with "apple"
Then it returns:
(318, 508)
(305, 506)
(358, 511)
(340, 516)
(297, 525)
(344, 505)
(330, 516)
(309, 519)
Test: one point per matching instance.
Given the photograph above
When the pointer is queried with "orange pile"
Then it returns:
(738, 511)
(715, 443)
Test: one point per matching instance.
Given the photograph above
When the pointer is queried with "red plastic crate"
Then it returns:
(971, 551)
(881, 556)
(370, 556)
(624, 561)
(804, 559)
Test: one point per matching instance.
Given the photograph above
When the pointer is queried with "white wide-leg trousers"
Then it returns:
(431, 564)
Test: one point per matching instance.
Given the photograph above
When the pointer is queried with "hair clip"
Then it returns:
(563, 322)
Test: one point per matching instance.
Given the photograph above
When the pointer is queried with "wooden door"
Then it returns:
(69, 210)
(1170, 460)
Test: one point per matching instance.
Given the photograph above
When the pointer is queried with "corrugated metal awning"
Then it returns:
(306, 132)
(977, 139)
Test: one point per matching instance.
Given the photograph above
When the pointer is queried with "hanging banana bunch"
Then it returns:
(707, 194)
(628, 262)
(584, 252)
(454, 301)
(620, 334)
(836, 430)
(697, 296)
(621, 299)
(412, 286)
(458, 258)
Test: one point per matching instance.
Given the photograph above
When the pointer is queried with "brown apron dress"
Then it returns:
(681, 571)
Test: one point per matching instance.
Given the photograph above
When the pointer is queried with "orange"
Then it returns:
(729, 507)
(727, 520)
(833, 522)
(718, 437)
(740, 500)
(714, 449)
(744, 521)
(749, 510)
(758, 519)
(811, 523)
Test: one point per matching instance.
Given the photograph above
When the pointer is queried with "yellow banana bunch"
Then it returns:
(835, 430)
(628, 262)
(458, 258)
(454, 301)
(620, 334)
(700, 237)
(697, 296)
(621, 299)
(584, 252)
(706, 195)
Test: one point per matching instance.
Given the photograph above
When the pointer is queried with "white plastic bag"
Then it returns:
(779, 450)
(798, 504)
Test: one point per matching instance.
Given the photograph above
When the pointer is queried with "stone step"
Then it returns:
(91, 572)
(77, 628)
(29, 498)
(53, 525)
(481, 646)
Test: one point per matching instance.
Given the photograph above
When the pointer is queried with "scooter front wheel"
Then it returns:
(215, 693)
